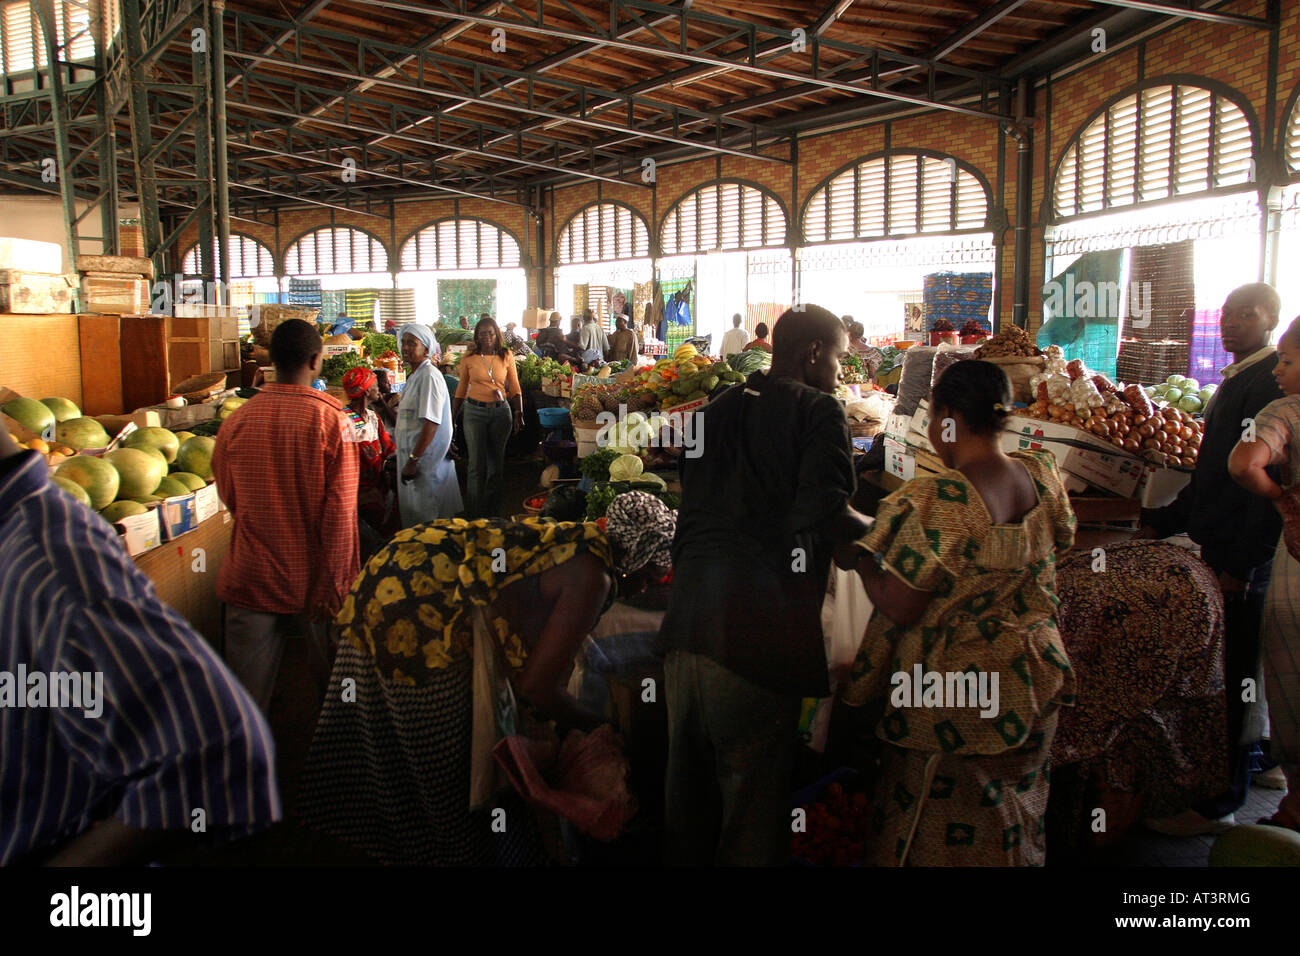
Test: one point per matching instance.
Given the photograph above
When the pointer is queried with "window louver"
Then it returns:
(453, 244)
(338, 250)
(22, 46)
(1293, 140)
(723, 216)
(903, 194)
(1159, 143)
(249, 259)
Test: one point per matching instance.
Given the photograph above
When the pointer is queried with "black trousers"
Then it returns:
(1242, 619)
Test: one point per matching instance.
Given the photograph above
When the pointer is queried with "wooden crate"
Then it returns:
(101, 364)
(194, 594)
(145, 373)
(198, 344)
(133, 266)
(114, 294)
(41, 357)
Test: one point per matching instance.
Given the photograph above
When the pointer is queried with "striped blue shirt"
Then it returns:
(175, 731)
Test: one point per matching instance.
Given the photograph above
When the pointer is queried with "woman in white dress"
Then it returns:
(428, 490)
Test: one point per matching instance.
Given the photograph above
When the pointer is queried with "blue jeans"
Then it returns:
(487, 430)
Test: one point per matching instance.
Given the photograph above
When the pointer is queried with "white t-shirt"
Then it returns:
(734, 341)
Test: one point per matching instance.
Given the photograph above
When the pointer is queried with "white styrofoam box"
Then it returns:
(141, 533)
(897, 427)
(899, 462)
(206, 503)
(1099, 465)
(30, 255)
(1160, 486)
(178, 515)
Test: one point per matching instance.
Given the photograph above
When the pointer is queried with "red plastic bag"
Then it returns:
(587, 784)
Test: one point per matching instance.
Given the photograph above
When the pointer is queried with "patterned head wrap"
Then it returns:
(421, 333)
(357, 381)
(642, 527)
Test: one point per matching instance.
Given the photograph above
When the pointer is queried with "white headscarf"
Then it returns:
(422, 333)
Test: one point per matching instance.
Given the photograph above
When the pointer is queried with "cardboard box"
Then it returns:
(179, 514)
(114, 294)
(140, 418)
(537, 318)
(141, 533)
(897, 427)
(329, 351)
(30, 255)
(899, 461)
(206, 503)
(35, 293)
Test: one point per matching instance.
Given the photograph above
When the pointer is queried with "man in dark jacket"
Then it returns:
(1237, 531)
(762, 508)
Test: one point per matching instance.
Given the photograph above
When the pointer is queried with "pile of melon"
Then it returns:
(150, 465)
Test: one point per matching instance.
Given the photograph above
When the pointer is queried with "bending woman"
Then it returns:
(961, 570)
(389, 768)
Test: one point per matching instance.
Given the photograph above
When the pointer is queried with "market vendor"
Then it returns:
(761, 341)
(622, 344)
(960, 568)
(428, 489)
(1237, 531)
(374, 508)
(389, 770)
(552, 337)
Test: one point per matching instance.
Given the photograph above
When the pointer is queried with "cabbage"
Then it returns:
(625, 468)
(635, 418)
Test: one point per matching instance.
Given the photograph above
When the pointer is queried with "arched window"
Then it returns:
(460, 244)
(335, 250)
(603, 232)
(903, 193)
(1292, 157)
(249, 259)
(721, 216)
(1161, 142)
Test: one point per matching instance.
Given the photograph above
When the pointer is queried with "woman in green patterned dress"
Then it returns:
(962, 669)
(389, 770)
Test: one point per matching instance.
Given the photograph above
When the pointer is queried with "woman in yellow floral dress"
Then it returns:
(389, 767)
(961, 569)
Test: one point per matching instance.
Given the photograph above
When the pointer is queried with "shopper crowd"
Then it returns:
(455, 604)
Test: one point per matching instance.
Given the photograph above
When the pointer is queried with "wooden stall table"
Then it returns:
(184, 573)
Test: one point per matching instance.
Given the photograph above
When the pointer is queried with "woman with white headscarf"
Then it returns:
(428, 489)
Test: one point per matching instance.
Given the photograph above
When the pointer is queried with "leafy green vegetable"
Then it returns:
(598, 500)
(750, 361)
(336, 366)
(376, 343)
(596, 465)
(529, 370)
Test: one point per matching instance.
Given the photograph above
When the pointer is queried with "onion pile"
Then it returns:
(1170, 437)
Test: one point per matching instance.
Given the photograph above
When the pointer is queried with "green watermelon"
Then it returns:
(169, 487)
(72, 488)
(31, 414)
(118, 510)
(162, 439)
(98, 477)
(81, 433)
(62, 408)
(139, 471)
(191, 481)
(195, 456)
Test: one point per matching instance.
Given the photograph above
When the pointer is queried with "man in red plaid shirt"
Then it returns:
(288, 473)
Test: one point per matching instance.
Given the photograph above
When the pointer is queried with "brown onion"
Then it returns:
(1187, 461)
(1153, 443)
(1132, 444)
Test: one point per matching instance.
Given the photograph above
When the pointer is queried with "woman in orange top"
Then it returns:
(490, 386)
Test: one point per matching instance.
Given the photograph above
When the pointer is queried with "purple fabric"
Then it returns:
(1207, 353)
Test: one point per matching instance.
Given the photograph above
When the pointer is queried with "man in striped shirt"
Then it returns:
(287, 469)
(163, 736)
